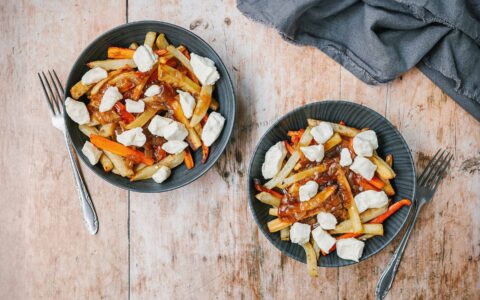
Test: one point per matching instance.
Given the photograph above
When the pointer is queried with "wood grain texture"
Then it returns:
(201, 241)
(46, 252)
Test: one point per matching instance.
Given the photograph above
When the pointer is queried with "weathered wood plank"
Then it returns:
(46, 251)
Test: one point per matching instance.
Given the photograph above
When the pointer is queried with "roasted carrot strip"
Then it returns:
(119, 149)
(341, 123)
(188, 159)
(261, 188)
(124, 114)
(391, 210)
(117, 52)
(289, 147)
(366, 185)
(295, 136)
(205, 151)
(377, 182)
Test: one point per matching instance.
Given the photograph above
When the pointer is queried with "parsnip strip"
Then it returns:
(352, 206)
(268, 198)
(341, 129)
(302, 175)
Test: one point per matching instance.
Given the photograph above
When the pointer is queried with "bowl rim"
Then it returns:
(212, 160)
(295, 111)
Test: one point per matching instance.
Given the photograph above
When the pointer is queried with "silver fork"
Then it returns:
(427, 184)
(55, 103)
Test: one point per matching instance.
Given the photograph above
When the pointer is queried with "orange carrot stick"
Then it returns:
(119, 149)
(124, 114)
(188, 159)
(377, 182)
(117, 52)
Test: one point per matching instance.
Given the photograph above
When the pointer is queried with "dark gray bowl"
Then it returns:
(122, 36)
(390, 141)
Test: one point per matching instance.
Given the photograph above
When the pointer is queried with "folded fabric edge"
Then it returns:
(448, 86)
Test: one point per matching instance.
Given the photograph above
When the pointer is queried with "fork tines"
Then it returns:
(435, 170)
(54, 99)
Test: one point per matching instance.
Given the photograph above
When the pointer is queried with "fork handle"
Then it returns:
(388, 275)
(88, 210)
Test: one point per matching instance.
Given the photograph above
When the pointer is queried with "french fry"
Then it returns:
(273, 211)
(332, 142)
(138, 90)
(268, 198)
(388, 188)
(119, 164)
(107, 130)
(341, 129)
(287, 168)
(177, 79)
(193, 137)
(182, 58)
(373, 229)
(96, 88)
(383, 169)
(133, 46)
(88, 130)
(203, 102)
(372, 213)
(279, 224)
(389, 160)
(79, 89)
(117, 52)
(214, 104)
(150, 39)
(112, 64)
(303, 174)
(170, 161)
(311, 260)
(316, 248)
(142, 119)
(352, 206)
(285, 234)
(161, 42)
(106, 163)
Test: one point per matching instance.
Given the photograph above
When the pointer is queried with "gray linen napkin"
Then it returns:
(378, 40)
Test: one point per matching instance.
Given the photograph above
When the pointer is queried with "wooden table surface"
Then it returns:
(201, 242)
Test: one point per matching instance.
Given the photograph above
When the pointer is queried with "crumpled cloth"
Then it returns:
(378, 40)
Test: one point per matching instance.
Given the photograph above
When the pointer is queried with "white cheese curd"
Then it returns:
(345, 157)
(324, 240)
(158, 124)
(94, 75)
(300, 233)
(364, 167)
(273, 160)
(162, 174)
(308, 190)
(110, 97)
(174, 147)
(152, 90)
(322, 133)
(370, 199)
(175, 131)
(132, 137)
(187, 102)
(134, 106)
(77, 111)
(326, 220)
(91, 152)
(144, 58)
(350, 249)
(365, 142)
(212, 129)
(204, 68)
(314, 152)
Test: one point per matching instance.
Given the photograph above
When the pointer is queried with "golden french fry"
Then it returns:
(117, 52)
(273, 211)
(373, 229)
(107, 130)
(177, 79)
(303, 174)
(285, 234)
(150, 39)
(352, 206)
(268, 198)
(332, 142)
(133, 46)
(311, 260)
(142, 119)
(170, 161)
(79, 89)
(112, 64)
(106, 163)
(193, 136)
(161, 42)
(203, 102)
(383, 169)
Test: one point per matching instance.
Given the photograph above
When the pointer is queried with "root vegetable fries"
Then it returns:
(388, 188)
(161, 42)
(112, 64)
(117, 52)
(373, 229)
(120, 166)
(261, 188)
(389, 160)
(193, 138)
(133, 46)
(341, 129)
(268, 198)
(295, 135)
(119, 149)
(285, 234)
(150, 39)
(124, 114)
(273, 211)
(311, 260)
(383, 169)
(177, 79)
(377, 182)
(352, 207)
(303, 174)
(79, 89)
(170, 161)
(205, 151)
(183, 60)
(203, 103)
(107, 130)
(143, 118)
(332, 142)
(106, 163)
(97, 87)
(138, 90)
(311, 207)
(88, 130)
(188, 159)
